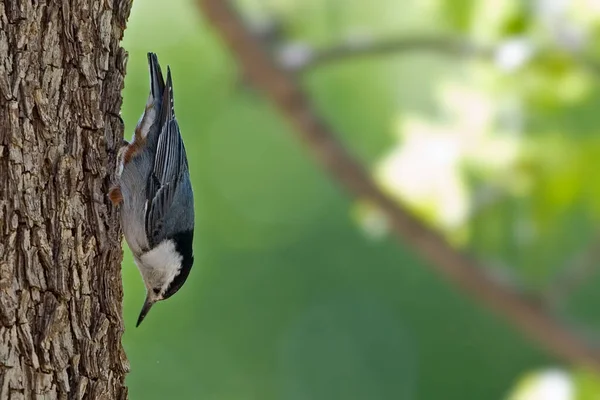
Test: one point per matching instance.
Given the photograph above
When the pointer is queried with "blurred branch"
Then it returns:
(300, 58)
(588, 63)
(280, 87)
(485, 197)
(584, 265)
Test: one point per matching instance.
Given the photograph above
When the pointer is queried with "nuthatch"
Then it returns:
(153, 185)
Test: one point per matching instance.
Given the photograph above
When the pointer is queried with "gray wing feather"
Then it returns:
(168, 159)
(169, 163)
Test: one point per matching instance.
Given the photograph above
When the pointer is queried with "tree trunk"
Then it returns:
(61, 75)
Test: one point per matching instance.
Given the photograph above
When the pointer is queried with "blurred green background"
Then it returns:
(298, 292)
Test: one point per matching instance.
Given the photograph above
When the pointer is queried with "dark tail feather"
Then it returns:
(167, 106)
(157, 82)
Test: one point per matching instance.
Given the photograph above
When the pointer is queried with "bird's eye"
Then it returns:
(156, 291)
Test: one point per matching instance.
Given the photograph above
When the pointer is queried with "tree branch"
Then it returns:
(302, 58)
(282, 90)
(579, 271)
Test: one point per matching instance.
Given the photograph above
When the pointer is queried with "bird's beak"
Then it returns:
(147, 306)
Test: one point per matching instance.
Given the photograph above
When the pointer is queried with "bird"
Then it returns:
(154, 191)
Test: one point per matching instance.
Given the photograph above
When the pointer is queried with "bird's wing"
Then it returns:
(169, 163)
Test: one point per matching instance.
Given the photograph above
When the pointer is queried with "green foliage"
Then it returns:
(459, 13)
(290, 298)
(587, 385)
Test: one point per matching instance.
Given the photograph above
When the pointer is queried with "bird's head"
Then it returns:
(165, 269)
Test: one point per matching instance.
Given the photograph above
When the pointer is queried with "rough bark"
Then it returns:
(61, 75)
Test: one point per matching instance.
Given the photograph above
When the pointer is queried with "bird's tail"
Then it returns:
(167, 108)
(153, 105)
(157, 82)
